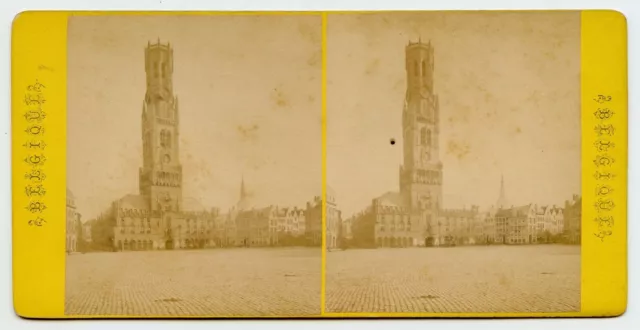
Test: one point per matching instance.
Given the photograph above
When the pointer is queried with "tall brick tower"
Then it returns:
(161, 172)
(421, 171)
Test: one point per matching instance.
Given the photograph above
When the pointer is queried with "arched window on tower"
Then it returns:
(416, 68)
(163, 138)
(423, 136)
(164, 69)
(155, 69)
(424, 68)
(427, 109)
(428, 137)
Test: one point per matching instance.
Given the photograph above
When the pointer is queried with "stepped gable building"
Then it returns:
(524, 224)
(550, 221)
(313, 221)
(543, 215)
(257, 227)
(555, 224)
(333, 220)
(269, 226)
(456, 227)
(291, 221)
(516, 225)
(159, 217)
(263, 226)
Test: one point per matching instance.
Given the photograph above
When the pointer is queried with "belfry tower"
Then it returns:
(161, 172)
(421, 171)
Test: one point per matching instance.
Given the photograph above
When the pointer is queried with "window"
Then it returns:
(424, 68)
(164, 69)
(425, 138)
(165, 138)
(416, 69)
(155, 69)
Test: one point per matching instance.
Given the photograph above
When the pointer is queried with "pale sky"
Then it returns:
(509, 90)
(249, 90)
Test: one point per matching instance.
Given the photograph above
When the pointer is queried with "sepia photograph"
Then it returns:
(194, 165)
(453, 157)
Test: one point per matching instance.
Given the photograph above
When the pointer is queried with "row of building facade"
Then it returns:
(123, 227)
(381, 225)
(378, 225)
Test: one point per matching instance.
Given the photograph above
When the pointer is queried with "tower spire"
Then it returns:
(243, 203)
(243, 192)
(502, 200)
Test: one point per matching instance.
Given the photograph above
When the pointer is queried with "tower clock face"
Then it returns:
(425, 156)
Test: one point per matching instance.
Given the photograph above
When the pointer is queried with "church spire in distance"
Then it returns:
(243, 203)
(243, 191)
(502, 200)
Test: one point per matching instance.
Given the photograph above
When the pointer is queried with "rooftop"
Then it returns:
(514, 211)
(158, 44)
(132, 201)
(391, 198)
(419, 44)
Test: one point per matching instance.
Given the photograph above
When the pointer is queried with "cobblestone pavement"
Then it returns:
(542, 278)
(219, 282)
